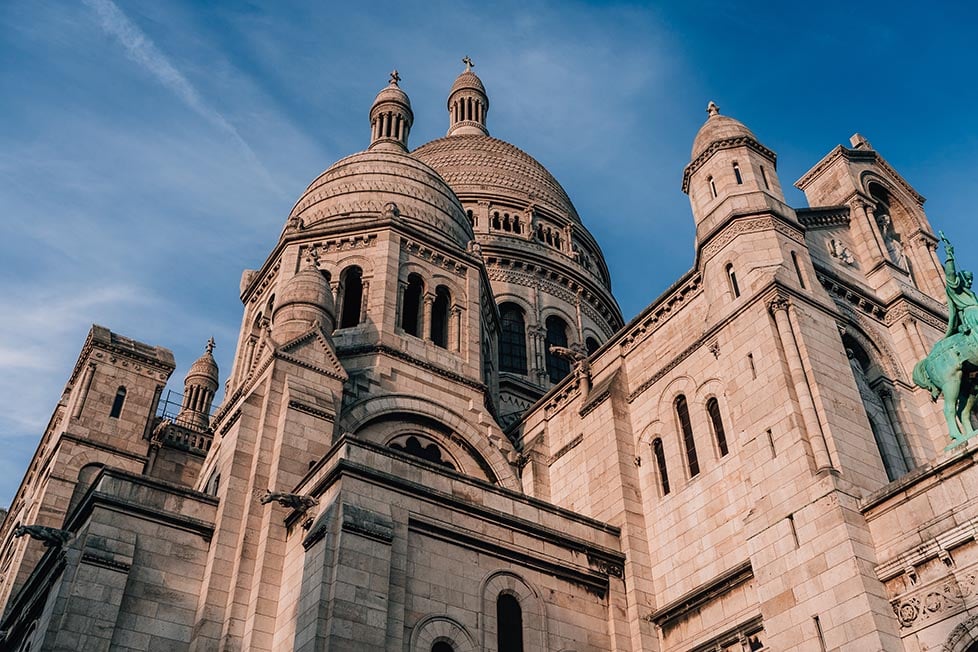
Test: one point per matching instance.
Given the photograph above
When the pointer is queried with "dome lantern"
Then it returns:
(468, 104)
(391, 117)
(199, 388)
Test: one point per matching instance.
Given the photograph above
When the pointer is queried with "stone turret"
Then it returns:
(199, 388)
(468, 104)
(729, 170)
(391, 118)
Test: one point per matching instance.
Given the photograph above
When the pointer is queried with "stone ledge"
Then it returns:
(719, 585)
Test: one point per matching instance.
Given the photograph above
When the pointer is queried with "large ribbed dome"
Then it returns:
(716, 128)
(377, 183)
(486, 165)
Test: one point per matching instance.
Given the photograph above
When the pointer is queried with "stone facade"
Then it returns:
(438, 433)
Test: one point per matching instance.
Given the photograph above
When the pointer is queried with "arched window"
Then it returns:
(713, 186)
(509, 624)
(880, 411)
(713, 409)
(471, 217)
(512, 339)
(439, 316)
(764, 178)
(682, 415)
(591, 345)
(351, 284)
(270, 307)
(411, 308)
(557, 367)
(732, 279)
(442, 646)
(737, 175)
(496, 224)
(120, 399)
(660, 465)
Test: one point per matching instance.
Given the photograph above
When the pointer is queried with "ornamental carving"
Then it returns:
(754, 225)
(934, 603)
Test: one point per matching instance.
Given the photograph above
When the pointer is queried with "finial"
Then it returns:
(395, 77)
(209, 348)
(468, 63)
(712, 108)
(311, 258)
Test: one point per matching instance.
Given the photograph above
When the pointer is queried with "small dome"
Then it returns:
(308, 286)
(205, 366)
(718, 127)
(381, 183)
(468, 80)
(392, 93)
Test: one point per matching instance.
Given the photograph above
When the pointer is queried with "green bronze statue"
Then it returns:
(951, 367)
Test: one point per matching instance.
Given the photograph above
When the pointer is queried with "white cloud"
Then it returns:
(144, 52)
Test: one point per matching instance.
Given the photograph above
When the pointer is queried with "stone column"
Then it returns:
(779, 308)
(860, 207)
(86, 384)
(424, 328)
(364, 298)
(454, 329)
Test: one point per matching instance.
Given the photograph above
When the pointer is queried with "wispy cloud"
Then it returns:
(141, 49)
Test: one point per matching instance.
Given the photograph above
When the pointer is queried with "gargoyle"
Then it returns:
(51, 537)
(293, 501)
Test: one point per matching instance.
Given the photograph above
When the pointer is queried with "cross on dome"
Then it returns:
(209, 347)
(468, 63)
(712, 108)
(395, 77)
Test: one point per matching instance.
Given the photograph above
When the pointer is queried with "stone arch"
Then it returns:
(535, 636)
(371, 408)
(906, 203)
(860, 329)
(962, 638)
(571, 320)
(519, 300)
(432, 629)
(83, 482)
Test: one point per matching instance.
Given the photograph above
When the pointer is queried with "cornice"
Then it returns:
(865, 156)
(823, 217)
(725, 143)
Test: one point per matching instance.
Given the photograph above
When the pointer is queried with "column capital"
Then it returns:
(778, 304)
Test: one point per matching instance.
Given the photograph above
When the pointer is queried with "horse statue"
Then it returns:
(951, 368)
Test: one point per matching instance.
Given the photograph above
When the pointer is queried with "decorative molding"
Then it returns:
(935, 548)
(824, 217)
(741, 224)
(840, 290)
(936, 602)
(862, 155)
(962, 636)
(105, 561)
(432, 256)
(263, 285)
(670, 302)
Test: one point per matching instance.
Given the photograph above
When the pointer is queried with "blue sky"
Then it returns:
(149, 152)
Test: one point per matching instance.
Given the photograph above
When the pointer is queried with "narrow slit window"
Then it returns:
(732, 279)
(737, 175)
(753, 369)
(764, 178)
(660, 465)
(117, 403)
(794, 261)
(439, 316)
(713, 409)
(713, 186)
(682, 415)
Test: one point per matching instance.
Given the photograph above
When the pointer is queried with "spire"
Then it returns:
(391, 117)
(468, 103)
(198, 390)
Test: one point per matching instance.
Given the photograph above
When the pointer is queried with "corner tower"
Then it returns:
(548, 274)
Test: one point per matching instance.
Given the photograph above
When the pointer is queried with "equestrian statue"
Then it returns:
(952, 366)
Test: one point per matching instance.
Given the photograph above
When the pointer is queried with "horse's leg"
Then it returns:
(951, 390)
(969, 404)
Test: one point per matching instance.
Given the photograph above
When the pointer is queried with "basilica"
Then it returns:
(439, 434)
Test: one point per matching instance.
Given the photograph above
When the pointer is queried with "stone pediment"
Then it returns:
(313, 350)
